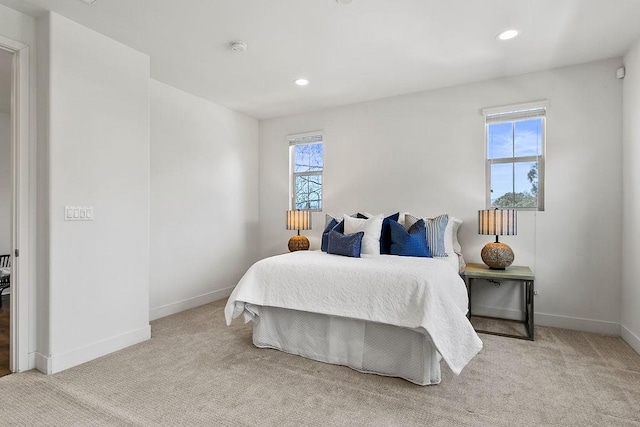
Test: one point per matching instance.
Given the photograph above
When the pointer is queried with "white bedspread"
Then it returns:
(422, 293)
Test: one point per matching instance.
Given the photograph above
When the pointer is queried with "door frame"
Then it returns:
(19, 297)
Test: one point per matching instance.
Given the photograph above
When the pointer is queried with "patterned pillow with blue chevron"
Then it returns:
(435, 232)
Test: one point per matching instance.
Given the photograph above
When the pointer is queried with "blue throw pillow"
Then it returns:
(385, 235)
(412, 242)
(325, 234)
(435, 232)
(345, 244)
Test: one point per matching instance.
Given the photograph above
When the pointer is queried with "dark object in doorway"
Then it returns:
(5, 279)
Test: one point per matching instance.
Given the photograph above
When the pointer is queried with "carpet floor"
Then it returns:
(197, 371)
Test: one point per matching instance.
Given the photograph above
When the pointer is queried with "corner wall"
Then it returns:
(630, 321)
(95, 141)
(204, 199)
(424, 153)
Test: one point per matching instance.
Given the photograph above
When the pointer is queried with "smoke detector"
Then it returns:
(89, 2)
(344, 1)
(238, 46)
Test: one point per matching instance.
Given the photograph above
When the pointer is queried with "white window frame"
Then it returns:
(299, 139)
(513, 113)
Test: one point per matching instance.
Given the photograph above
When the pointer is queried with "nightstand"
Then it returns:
(520, 274)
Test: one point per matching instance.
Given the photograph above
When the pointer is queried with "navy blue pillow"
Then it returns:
(325, 234)
(385, 235)
(412, 242)
(345, 244)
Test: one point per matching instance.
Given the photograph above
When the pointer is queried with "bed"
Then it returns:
(384, 314)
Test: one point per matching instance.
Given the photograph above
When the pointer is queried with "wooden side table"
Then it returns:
(520, 274)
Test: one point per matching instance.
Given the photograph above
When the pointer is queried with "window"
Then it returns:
(306, 156)
(515, 143)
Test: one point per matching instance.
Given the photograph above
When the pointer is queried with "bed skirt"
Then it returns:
(368, 347)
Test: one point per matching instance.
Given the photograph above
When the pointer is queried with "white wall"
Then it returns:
(204, 199)
(97, 135)
(424, 153)
(5, 183)
(631, 199)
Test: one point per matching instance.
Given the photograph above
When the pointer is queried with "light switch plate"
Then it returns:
(78, 213)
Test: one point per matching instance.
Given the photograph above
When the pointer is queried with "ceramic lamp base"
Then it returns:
(497, 255)
(298, 243)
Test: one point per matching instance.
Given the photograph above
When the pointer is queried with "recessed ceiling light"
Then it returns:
(344, 1)
(89, 2)
(508, 34)
(301, 82)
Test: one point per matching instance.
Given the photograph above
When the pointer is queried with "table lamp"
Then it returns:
(298, 220)
(497, 255)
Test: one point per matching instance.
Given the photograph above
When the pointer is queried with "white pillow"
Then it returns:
(372, 228)
(451, 244)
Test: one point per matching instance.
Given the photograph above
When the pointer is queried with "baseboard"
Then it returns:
(578, 324)
(60, 362)
(42, 363)
(631, 339)
(553, 320)
(186, 304)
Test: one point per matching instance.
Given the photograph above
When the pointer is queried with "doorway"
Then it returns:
(21, 154)
(6, 198)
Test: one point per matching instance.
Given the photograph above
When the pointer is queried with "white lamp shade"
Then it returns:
(298, 220)
(498, 222)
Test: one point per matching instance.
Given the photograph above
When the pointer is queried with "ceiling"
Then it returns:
(365, 50)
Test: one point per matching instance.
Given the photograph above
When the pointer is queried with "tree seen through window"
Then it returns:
(307, 167)
(514, 151)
